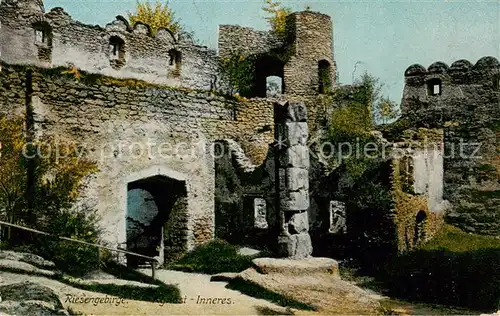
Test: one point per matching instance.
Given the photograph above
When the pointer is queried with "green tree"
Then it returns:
(386, 110)
(155, 15)
(277, 18)
(55, 167)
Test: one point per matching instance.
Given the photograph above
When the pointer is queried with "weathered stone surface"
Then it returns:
(296, 133)
(297, 179)
(260, 213)
(337, 218)
(294, 201)
(295, 246)
(299, 223)
(296, 156)
(304, 266)
(30, 299)
(27, 258)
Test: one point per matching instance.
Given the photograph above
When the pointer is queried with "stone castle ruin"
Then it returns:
(181, 163)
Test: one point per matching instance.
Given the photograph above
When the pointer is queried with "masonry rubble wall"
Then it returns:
(467, 108)
(139, 131)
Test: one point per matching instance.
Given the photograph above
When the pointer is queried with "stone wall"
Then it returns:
(465, 105)
(303, 58)
(141, 55)
(135, 131)
(235, 39)
(311, 39)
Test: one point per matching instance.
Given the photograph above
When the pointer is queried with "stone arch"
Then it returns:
(324, 76)
(117, 49)
(156, 221)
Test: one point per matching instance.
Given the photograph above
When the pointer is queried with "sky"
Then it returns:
(381, 37)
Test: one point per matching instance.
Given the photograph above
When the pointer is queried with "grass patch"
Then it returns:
(162, 294)
(213, 257)
(452, 239)
(257, 291)
(455, 268)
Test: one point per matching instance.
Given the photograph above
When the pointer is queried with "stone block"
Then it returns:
(295, 156)
(303, 247)
(296, 133)
(298, 223)
(294, 201)
(297, 179)
(296, 111)
(260, 213)
(287, 245)
(337, 218)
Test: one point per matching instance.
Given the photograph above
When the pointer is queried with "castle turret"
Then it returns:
(311, 68)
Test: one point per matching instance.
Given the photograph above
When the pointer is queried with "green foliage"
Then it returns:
(156, 16)
(39, 184)
(162, 294)
(277, 18)
(454, 268)
(240, 73)
(386, 111)
(213, 257)
(70, 257)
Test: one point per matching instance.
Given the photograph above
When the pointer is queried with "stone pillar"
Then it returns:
(292, 179)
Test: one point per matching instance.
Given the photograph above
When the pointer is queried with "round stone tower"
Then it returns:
(18, 32)
(311, 68)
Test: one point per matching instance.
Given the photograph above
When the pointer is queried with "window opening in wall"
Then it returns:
(174, 62)
(434, 87)
(496, 83)
(43, 40)
(274, 86)
(117, 52)
(324, 76)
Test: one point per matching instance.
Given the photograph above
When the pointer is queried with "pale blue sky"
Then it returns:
(386, 36)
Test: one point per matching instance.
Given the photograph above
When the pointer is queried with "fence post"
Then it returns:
(153, 271)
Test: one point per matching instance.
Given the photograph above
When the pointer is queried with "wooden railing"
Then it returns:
(151, 260)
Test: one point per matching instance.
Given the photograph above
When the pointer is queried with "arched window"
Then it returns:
(324, 76)
(434, 87)
(174, 62)
(116, 51)
(274, 86)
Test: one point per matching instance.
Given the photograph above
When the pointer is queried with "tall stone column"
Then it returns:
(292, 179)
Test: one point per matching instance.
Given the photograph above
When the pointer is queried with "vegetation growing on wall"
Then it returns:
(156, 16)
(39, 183)
(277, 18)
(240, 73)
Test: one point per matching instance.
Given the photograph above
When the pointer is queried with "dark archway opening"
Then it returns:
(156, 219)
(324, 76)
(267, 66)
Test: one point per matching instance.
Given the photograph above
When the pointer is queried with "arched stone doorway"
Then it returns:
(156, 218)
